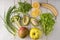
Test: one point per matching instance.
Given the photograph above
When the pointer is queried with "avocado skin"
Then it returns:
(25, 20)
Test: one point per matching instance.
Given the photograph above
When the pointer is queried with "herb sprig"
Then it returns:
(24, 7)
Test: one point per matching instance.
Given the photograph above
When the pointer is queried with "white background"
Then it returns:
(5, 35)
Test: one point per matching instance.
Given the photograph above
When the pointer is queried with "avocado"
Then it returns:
(34, 22)
(25, 20)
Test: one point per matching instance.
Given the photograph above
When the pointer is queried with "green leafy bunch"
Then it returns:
(24, 7)
(47, 22)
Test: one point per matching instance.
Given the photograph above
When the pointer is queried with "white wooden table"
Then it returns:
(5, 35)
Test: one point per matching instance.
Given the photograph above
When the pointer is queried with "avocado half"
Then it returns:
(34, 22)
(25, 20)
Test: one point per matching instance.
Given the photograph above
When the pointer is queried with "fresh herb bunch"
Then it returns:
(8, 23)
(24, 7)
(47, 22)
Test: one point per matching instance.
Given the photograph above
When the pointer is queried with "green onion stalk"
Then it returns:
(8, 23)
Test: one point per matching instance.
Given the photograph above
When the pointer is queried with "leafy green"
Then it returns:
(47, 22)
(8, 23)
(24, 7)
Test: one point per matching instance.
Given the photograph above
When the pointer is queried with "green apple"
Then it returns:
(35, 33)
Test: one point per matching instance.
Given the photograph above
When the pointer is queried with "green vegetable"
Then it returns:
(16, 19)
(25, 20)
(8, 23)
(47, 22)
(34, 22)
(24, 7)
